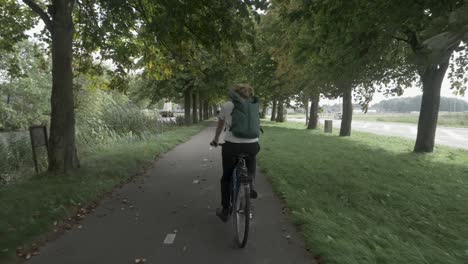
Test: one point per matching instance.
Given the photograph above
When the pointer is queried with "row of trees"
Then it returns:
(191, 50)
(341, 48)
(182, 48)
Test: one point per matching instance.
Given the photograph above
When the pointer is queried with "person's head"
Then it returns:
(244, 90)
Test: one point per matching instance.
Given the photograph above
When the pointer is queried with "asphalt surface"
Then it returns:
(178, 196)
(448, 136)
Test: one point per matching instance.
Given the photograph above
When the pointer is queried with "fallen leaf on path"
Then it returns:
(28, 256)
(140, 260)
(80, 226)
(35, 253)
(196, 182)
(184, 249)
(288, 236)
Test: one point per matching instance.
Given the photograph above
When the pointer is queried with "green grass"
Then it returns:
(29, 208)
(367, 198)
(451, 120)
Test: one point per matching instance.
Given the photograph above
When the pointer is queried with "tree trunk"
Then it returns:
(206, 115)
(280, 114)
(273, 110)
(215, 110)
(264, 109)
(194, 107)
(200, 110)
(313, 121)
(432, 81)
(306, 107)
(347, 116)
(62, 149)
(188, 105)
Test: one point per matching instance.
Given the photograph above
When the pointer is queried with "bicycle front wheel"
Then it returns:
(241, 215)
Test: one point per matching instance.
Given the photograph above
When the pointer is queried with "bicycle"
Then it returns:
(240, 201)
(240, 206)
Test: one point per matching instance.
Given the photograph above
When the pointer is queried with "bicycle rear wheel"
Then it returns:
(241, 215)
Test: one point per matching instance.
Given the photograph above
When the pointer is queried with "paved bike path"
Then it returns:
(178, 195)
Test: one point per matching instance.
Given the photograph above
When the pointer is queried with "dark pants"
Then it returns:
(229, 153)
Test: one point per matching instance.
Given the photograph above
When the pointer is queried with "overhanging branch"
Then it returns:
(37, 9)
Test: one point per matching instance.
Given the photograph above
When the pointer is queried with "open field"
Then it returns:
(445, 119)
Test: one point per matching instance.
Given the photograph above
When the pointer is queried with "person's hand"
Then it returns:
(214, 142)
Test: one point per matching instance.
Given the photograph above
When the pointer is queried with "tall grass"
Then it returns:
(16, 158)
(102, 119)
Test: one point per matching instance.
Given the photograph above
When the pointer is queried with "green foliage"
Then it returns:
(14, 20)
(106, 116)
(382, 204)
(24, 96)
(16, 161)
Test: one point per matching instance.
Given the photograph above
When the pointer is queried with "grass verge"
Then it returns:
(28, 209)
(367, 198)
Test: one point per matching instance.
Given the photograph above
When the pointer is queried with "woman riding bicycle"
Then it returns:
(243, 143)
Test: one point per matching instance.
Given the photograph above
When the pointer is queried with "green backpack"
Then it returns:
(245, 117)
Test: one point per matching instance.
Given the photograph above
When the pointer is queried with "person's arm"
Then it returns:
(219, 129)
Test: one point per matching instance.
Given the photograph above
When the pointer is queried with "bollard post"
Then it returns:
(328, 126)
